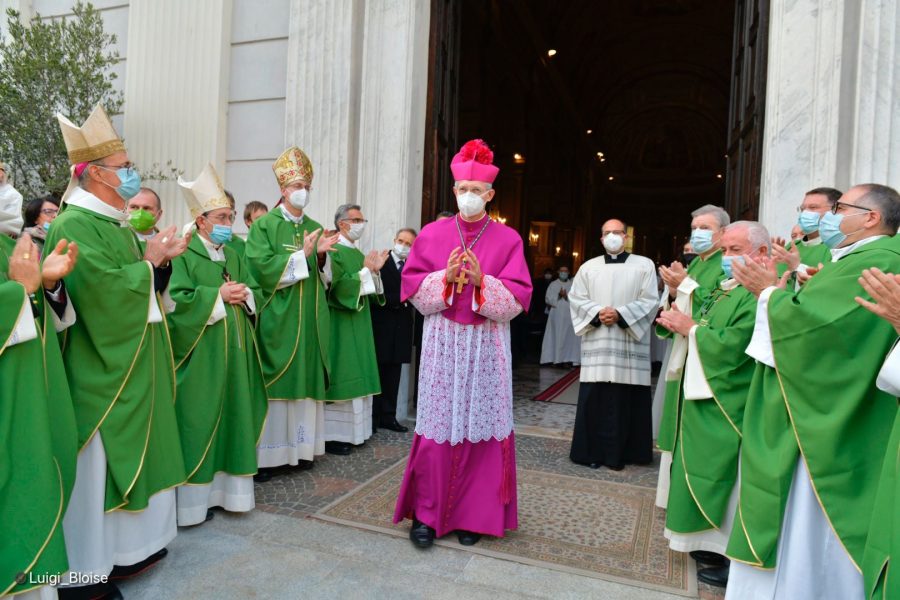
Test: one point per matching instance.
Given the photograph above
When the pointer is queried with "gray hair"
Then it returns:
(717, 211)
(756, 233)
(886, 201)
(342, 211)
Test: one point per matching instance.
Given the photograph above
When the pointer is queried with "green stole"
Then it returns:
(354, 367)
(293, 321)
(37, 429)
(705, 460)
(820, 401)
(222, 400)
(707, 273)
(119, 367)
(883, 542)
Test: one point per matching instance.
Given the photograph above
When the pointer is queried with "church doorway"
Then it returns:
(636, 109)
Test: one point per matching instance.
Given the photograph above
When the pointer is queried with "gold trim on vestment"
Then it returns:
(759, 562)
(196, 341)
(812, 482)
(92, 153)
(215, 430)
(296, 340)
(43, 547)
(687, 479)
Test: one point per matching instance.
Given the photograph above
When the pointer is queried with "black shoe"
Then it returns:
(124, 572)
(96, 591)
(594, 465)
(263, 475)
(717, 576)
(615, 467)
(468, 538)
(421, 535)
(339, 448)
(710, 559)
(393, 425)
(303, 465)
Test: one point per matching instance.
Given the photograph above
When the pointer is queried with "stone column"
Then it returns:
(393, 96)
(176, 90)
(322, 97)
(832, 88)
(355, 102)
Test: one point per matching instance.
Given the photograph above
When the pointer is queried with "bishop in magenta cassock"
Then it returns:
(468, 276)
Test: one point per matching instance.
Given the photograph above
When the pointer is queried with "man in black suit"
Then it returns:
(393, 327)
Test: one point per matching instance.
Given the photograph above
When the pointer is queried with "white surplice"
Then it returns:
(560, 344)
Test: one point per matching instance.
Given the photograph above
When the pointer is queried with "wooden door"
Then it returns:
(748, 101)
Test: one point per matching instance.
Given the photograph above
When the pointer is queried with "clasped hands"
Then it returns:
(465, 263)
(608, 316)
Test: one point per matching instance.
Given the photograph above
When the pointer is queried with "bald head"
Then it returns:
(614, 226)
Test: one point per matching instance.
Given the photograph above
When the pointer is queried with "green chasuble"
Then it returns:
(39, 442)
(221, 403)
(293, 324)
(707, 273)
(705, 460)
(820, 401)
(238, 245)
(118, 365)
(354, 367)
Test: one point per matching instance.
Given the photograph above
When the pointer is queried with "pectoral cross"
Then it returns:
(461, 278)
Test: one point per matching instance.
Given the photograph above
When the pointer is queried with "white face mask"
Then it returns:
(401, 250)
(299, 198)
(613, 243)
(470, 204)
(355, 232)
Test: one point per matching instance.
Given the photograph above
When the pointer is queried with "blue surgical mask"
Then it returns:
(563, 276)
(220, 234)
(129, 182)
(46, 226)
(727, 262)
(808, 221)
(830, 230)
(701, 240)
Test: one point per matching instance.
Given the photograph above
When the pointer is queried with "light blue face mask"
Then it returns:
(727, 262)
(129, 182)
(830, 230)
(220, 234)
(46, 226)
(808, 221)
(701, 240)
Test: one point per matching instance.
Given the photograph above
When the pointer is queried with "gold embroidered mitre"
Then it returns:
(94, 140)
(292, 166)
(205, 193)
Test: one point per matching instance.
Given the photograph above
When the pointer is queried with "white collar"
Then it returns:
(839, 253)
(289, 217)
(813, 242)
(345, 241)
(216, 253)
(82, 198)
(729, 284)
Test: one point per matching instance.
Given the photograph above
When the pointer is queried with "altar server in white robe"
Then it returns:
(613, 302)
(560, 345)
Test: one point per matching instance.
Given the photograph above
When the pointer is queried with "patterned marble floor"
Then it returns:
(301, 493)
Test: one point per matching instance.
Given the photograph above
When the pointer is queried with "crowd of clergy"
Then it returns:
(148, 375)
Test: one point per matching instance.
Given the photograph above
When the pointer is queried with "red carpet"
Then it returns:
(561, 385)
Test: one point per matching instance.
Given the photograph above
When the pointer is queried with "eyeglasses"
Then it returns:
(838, 205)
(615, 231)
(50, 212)
(802, 208)
(221, 218)
(129, 166)
(355, 221)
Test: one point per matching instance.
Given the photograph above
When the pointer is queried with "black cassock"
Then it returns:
(613, 422)
(392, 325)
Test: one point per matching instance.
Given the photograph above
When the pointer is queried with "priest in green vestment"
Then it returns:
(881, 573)
(118, 362)
(703, 488)
(236, 243)
(815, 423)
(354, 280)
(37, 423)
(808, 251)
(222, 401)
(282, 254)
(687, 288)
